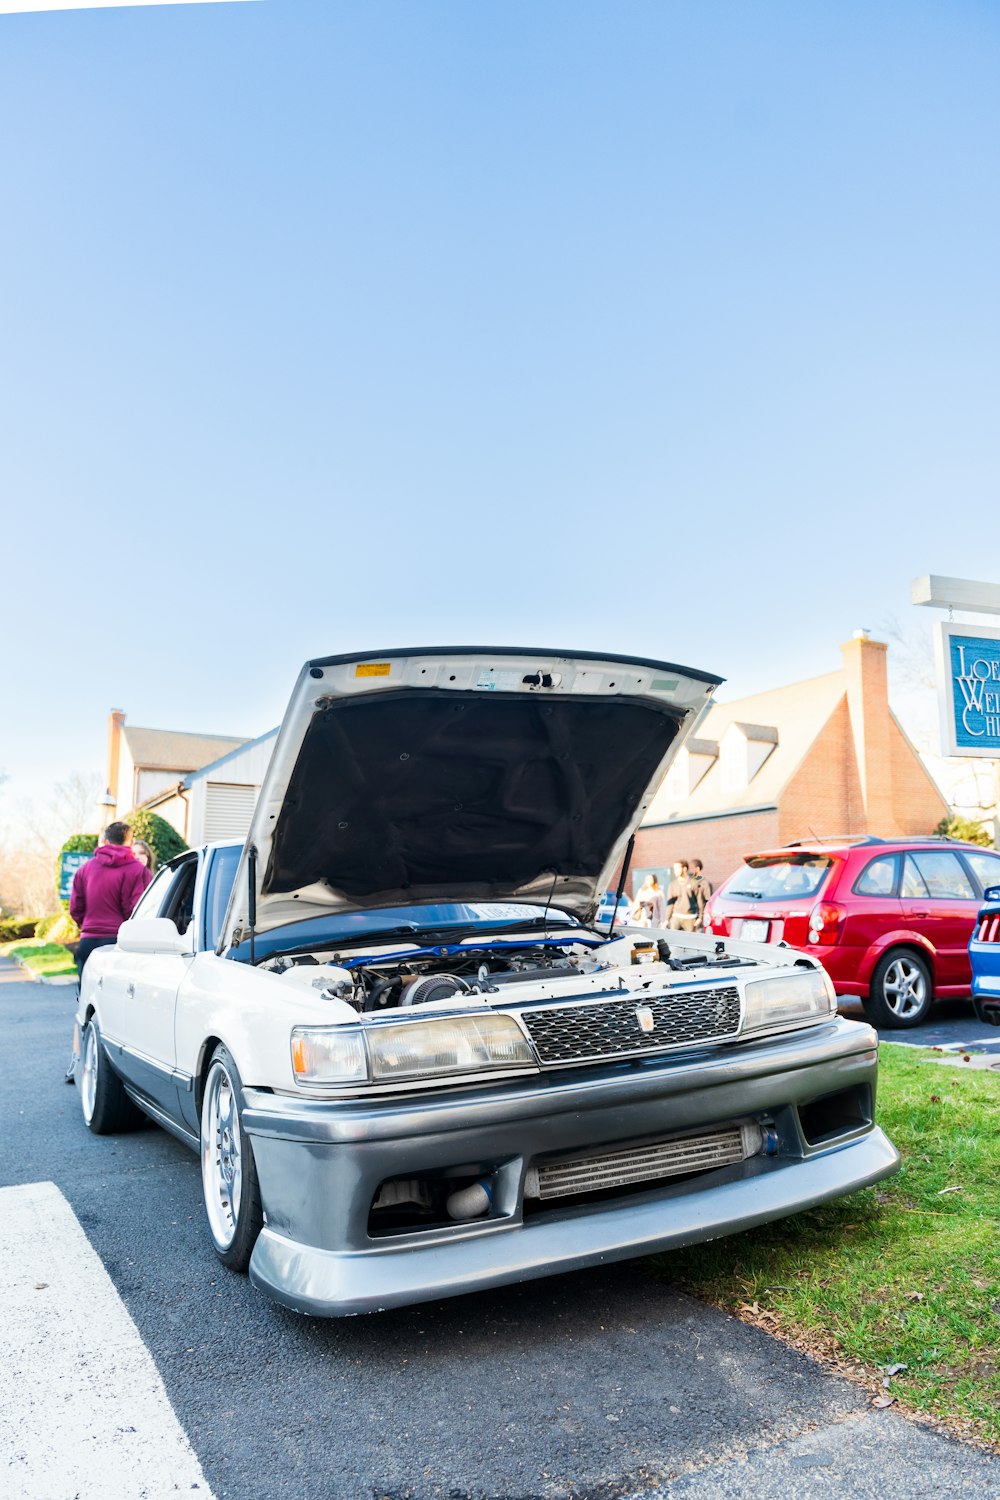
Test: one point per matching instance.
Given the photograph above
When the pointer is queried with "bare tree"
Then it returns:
(68, 809)
(28, 857)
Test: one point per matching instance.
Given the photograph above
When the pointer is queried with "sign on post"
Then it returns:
(69, 862)
(969, 675)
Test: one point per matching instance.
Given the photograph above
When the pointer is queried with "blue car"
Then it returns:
(607, 907)
(984, 956)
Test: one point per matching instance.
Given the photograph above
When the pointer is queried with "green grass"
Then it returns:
(904, 1273)
(48, 960)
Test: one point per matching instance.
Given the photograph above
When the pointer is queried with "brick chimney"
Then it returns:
(116, 721)
(868, 704)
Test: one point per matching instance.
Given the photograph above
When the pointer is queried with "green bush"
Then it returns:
(161, 836)
(63, 930)
(14, 929)
(45, 926)
(966, 829)
(80, 843)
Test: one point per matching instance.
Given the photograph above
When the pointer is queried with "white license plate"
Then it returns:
(754, 931)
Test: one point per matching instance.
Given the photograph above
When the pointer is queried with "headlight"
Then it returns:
(400, 1051)
(785, 999)
(329, 1054)
(463, 1044)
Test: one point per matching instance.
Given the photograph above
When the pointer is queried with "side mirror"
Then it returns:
(152, 935)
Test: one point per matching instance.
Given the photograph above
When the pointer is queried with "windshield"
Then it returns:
(789, 878)
(395, 924)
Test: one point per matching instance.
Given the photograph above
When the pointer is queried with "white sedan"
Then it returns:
(411, 1060)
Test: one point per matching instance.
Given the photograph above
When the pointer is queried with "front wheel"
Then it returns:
(901, 990)
(107, 1109)
(228, 1171)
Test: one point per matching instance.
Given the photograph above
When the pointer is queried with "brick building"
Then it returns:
(817, 758)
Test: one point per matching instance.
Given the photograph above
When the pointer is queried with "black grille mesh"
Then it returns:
(577, 1033)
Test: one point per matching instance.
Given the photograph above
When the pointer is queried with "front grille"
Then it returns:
(673, 1158)
(582, 1033)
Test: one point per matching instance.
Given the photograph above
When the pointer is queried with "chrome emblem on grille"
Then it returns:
(644, 1016)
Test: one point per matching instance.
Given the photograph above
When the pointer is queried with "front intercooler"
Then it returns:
(676, 1157)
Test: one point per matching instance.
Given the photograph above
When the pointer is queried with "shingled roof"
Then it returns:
(173, 750)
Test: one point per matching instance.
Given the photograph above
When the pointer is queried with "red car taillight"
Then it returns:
(825, 922)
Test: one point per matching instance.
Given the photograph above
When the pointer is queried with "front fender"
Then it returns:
(251, 1012)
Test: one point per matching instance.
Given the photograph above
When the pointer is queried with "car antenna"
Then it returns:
(621, 883)
(252, 894)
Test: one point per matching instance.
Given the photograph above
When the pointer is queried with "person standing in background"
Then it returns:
(102, 896)
(681, 901)
(650, 904)
(677, 891)
(105, 890)
(144, 854)
(700, 889)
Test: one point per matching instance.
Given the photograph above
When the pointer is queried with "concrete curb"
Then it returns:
(41, 978)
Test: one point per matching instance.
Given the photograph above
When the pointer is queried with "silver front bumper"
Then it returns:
(321, 1163)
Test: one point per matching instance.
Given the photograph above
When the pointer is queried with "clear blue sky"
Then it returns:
(666, 327)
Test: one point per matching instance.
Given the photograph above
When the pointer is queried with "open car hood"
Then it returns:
(459, 774)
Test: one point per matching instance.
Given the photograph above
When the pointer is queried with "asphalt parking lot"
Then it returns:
(610, 1383)
(953, 1026)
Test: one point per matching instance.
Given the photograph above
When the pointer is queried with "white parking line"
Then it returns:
(83, 1411)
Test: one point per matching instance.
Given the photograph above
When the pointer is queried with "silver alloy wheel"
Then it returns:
(89, 1064)
(905, 987)
(221, 1156)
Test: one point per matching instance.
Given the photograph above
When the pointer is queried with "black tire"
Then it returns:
(107, 1109)
(902, 990)
(229, 1185)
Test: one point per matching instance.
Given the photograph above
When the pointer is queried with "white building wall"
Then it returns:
(151, 782)
(124, 792)
(222, 796)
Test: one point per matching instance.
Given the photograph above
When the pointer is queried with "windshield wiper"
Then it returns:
(757, 895)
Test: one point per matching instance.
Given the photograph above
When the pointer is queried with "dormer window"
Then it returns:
(697, 757)
(743, 749)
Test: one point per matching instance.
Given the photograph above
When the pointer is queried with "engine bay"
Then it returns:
(486, 973)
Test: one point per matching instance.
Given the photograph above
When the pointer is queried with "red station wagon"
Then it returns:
(890, 920)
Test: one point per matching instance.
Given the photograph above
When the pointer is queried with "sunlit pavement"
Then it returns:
(953, 1024)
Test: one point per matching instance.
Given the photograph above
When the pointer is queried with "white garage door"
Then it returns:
(228, 810)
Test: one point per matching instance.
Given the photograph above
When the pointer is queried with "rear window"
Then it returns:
(787, 879)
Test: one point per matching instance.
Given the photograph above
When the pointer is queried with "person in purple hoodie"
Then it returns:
(105, 890)
(102, 895)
